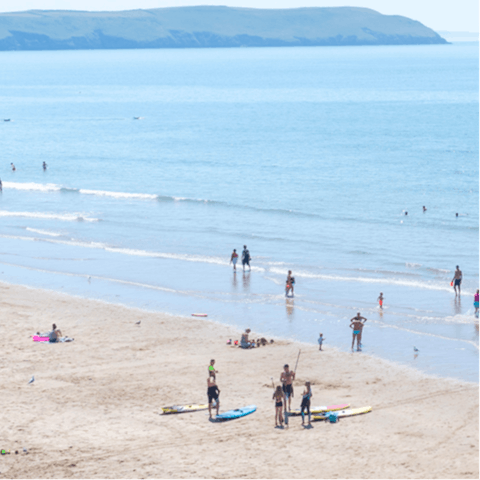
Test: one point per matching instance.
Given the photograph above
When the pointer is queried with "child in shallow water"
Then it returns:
(380, 300)
(475, 302)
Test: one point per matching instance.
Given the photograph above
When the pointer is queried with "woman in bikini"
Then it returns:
(279, 398)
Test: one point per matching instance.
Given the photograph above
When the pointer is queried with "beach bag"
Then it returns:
(332, 417)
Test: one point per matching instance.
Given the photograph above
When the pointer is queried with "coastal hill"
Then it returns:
(208, 26)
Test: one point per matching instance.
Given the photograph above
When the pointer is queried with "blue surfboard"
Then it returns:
(232, 414)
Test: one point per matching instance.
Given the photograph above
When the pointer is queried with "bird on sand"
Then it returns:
(31, 380)
(138, 323)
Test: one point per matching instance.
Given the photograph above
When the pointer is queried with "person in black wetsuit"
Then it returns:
(213, 392)
(307, 395)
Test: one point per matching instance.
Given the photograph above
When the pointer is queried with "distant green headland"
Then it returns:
(207, 27)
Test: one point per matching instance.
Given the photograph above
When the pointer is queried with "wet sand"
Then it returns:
(93, 410)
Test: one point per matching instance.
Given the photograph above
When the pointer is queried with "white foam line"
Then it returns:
(67, 217)
(44, 232)
(103, 193)
(382, 281)
(39, 187)
(133, 252)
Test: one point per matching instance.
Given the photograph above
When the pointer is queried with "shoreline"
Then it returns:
(387, 362)
(93, 408)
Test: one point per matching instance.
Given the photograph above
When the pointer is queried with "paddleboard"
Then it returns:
(232, 414)
(350, 412)
(183, 409)
(199, 315)
(330, 408)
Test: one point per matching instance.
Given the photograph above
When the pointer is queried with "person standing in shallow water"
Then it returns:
(246, 258)
(457, 280)
(380, 300)
(289, 284)
(357, 324)
(475, 302)
(234, 259)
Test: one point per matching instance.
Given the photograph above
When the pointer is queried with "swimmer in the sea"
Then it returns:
(424, 209)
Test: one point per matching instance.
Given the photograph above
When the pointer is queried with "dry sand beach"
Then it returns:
(92, 411)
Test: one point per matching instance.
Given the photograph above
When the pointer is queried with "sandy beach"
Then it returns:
(93, 409)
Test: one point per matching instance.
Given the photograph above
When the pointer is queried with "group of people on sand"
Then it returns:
(282, 395)
(245, 259)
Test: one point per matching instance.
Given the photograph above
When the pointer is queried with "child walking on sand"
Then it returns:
(279, 398)
(320, 341)
(380, 300)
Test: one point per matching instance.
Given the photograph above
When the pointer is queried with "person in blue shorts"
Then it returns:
(357, 324)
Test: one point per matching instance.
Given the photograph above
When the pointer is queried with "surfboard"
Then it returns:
(199, 315)
(330, 408)
(349, 412)
(183, 409)
(232, 414)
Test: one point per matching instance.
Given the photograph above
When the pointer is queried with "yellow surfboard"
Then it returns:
(330, 408)
(349, 412)
(183, 409)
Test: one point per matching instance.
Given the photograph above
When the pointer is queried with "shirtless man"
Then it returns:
(357, 324)
(286, 378)
(457, 280)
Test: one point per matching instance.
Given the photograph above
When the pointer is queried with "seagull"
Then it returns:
(415, 349)
(31, 380)
(138, 323)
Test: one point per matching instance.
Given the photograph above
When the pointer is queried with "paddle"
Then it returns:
(296, 365)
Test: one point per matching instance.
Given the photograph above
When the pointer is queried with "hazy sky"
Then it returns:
(452, 15)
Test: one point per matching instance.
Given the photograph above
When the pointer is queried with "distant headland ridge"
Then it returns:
(208, 27)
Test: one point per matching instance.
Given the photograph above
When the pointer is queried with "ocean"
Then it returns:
(161, 162)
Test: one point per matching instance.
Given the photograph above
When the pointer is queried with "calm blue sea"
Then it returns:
(309, 156)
